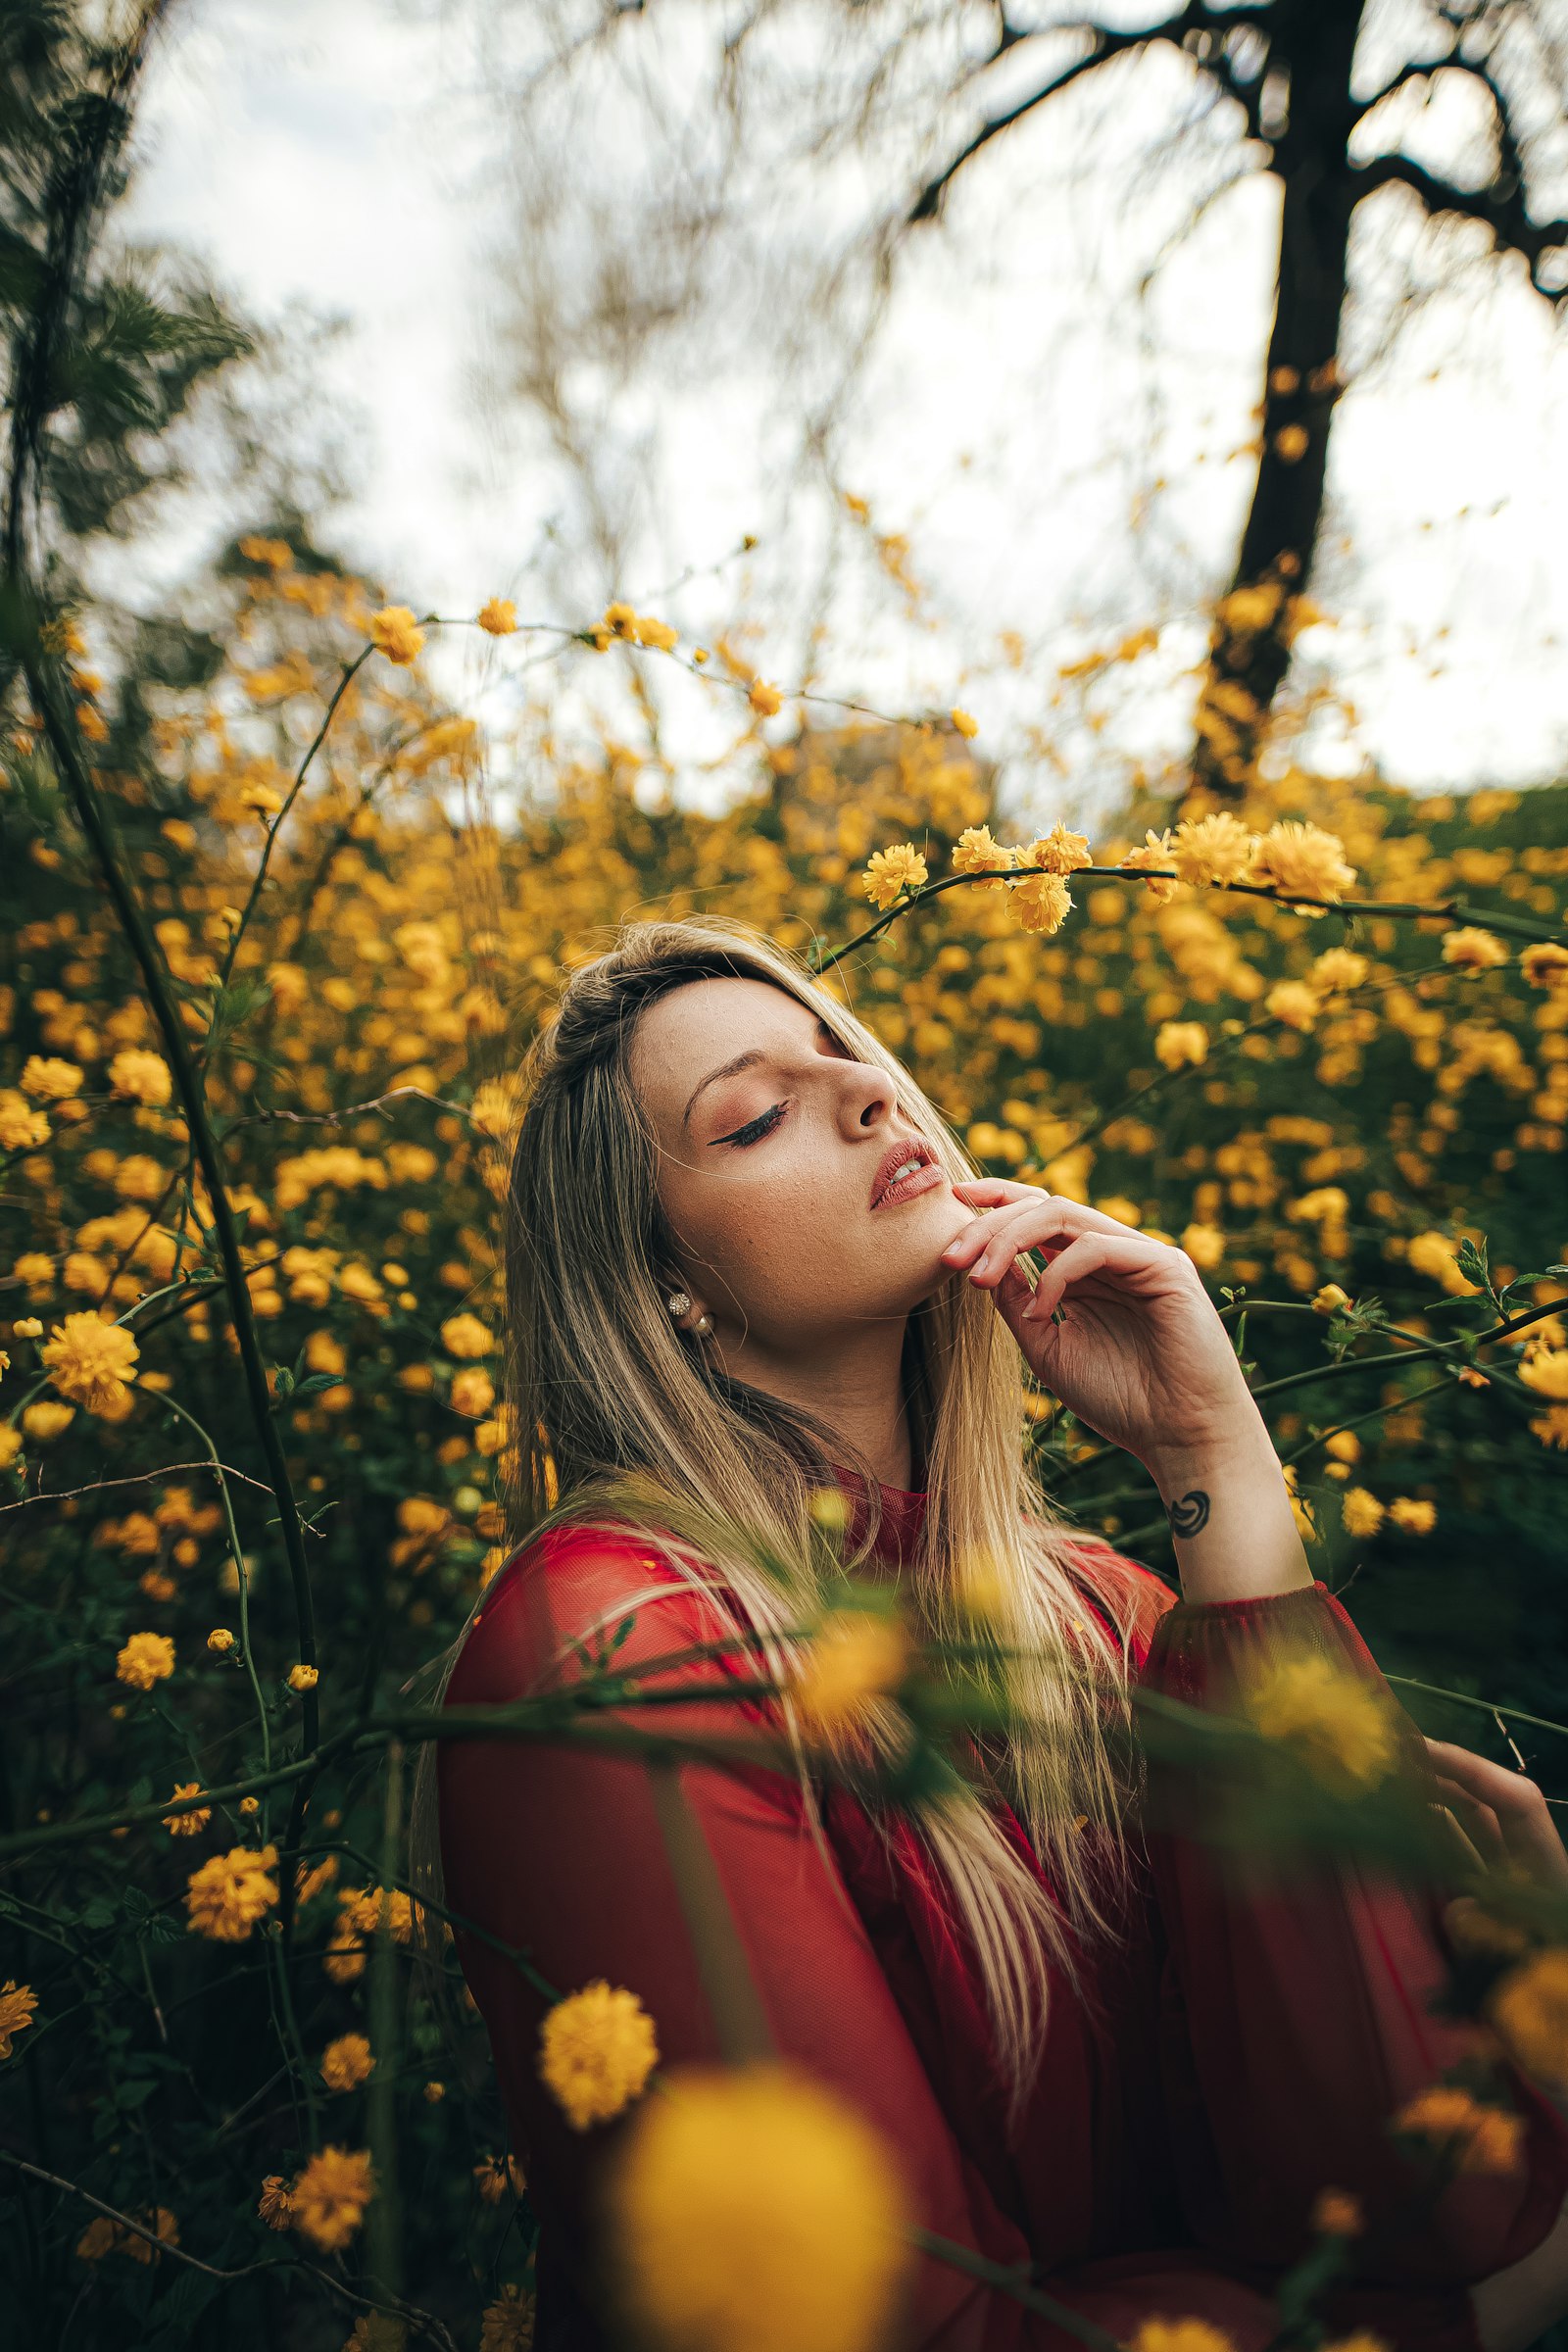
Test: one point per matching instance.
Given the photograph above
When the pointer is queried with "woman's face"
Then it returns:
(768, 1173)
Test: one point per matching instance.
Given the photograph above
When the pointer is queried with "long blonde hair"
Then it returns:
(617, 1419)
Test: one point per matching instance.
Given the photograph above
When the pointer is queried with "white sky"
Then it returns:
(1023, 407)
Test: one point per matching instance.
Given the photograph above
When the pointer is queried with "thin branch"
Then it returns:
(1503, 212)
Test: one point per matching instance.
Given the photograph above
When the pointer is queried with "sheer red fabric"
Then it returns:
(1230, 2054)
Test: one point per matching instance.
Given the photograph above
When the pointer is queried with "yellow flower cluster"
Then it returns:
(596, 2049)
(1341, 1725)
(230, 1894)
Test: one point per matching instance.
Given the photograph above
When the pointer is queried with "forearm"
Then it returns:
(1235, 1533)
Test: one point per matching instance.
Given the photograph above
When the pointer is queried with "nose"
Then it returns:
(865, 1099)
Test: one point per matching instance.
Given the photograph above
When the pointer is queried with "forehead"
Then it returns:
(695, 1028)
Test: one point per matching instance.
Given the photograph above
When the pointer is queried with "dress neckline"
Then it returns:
(903, 1515)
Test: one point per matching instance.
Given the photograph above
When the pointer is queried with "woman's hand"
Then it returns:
(1138, 1353)
(1503, 1813)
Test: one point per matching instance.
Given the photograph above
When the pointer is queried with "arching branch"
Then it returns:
(1501, 209)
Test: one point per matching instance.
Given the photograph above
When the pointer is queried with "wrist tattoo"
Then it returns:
(1189, 1514)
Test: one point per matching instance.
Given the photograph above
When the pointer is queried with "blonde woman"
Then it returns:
(748, 1260)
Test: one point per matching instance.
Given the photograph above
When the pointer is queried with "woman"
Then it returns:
(747, 1259)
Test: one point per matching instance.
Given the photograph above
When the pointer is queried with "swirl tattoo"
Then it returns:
(1189, 1516)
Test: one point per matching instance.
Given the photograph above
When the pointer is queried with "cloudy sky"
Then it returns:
(1057, 446)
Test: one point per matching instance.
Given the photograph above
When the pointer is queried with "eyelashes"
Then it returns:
(754, 1129)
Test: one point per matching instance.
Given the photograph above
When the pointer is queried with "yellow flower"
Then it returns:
(275, 2204)
(757, 2212)
(1328, 1301)
(46, 1419)
(17, 2005)
(395, 632)
(1294, 1003)
(494, 1110)
(344, 1957)
(1545, 963)
(23, 1129)
(508, 2326)
(1340, 1725)
(1180, 2336)
(302, 1678)
(48, 1079)
(1435, 1254)
(966, 726)
(498, 617)
(856, 1655)
(465, 1337)
(1545, 1370)
(1179, 1042)
(187, 1825)
(421, 1516)
(1204, 1244)
(1473, 950)
(596, 2049)
(1058, 852)
(1157, 851)
(493, 2177)
(220, 1640)
(230, 1893)
(1360, 1513)
(1530, 2010)
(660, 634)
(377, 2331)
(1415, 1518)
(329, 2196)
(1338, 2213)
(1336, 970)
(91, 1360)
(1488, 2139)
(146, 1658)
(141, 1075)
(1042, 903)
(1213, 849)
(975, 850)
(765, 700)
(1551, 1428)
(474, 1393)
(346, 2062)
(1301, 862)
(891, 872)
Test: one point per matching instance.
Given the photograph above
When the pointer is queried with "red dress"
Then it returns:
(1232, 2054)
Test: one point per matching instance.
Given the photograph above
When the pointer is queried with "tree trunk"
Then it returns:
(1313, 43)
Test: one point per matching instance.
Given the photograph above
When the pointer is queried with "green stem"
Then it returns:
(383, 2261)
(1408, 1356)
(244, 1592)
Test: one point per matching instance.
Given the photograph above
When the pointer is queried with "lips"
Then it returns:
(909, 1147)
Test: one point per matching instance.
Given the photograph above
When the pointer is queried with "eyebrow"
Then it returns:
(742, 1062)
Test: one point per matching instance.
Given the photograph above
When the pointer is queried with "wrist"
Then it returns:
(1243, 1455)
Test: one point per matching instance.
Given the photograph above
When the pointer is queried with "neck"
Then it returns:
(854, 1385)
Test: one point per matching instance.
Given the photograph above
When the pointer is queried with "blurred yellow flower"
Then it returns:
(1180, 1044)
(1488, 2139)
(495, 2175)
(765, 700)
(1412, 1516)
(1545, 963)
(596, 2049)
(145, 1659)
(854, 1656)
(231, 1893)
(1179, 2335)
(1338, 2213)
(1294, 1003)
(275, 2204)
(891, 872)
(498, 617)
(465, 1337)
(27, 1327)
(754, 2209)
(142, 1076)
(46, 1419)
(1340, 1725)
(1360, 1513)
(1302, 861)
(1157, 851)
(346, 2062)
(1530, 2010)
(1473, 950)
(328, 2196)
(966, 726)
(507, 2325)
(48, 1079)
(1545, 1370)
(1205, 1245)
(1337, 970)
(23, 1129)
(472, 1392)
(395, 632)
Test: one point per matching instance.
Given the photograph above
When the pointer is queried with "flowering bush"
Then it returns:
(249, 1423)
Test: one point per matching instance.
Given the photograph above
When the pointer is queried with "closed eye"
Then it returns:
(756, 1130)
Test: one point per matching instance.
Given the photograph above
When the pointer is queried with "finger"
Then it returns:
(1090, 1253)
(1479, 1819)
(1501, 1787)
(1010, 1233)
